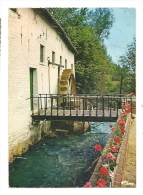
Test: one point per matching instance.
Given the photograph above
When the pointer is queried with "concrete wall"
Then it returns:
(25, 27)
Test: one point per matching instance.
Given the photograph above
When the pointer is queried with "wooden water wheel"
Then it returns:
(67, 82)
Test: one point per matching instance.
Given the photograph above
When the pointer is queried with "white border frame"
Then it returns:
(5, 4)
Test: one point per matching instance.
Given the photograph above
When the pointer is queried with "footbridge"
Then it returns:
(79, 107)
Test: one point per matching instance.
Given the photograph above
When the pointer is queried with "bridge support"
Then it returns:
(70, 126)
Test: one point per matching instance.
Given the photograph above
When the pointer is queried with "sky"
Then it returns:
(122, 32)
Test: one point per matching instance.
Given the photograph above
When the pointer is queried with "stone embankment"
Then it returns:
(125, 172)
(129, 171)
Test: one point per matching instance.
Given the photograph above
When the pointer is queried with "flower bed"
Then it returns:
(106, 167)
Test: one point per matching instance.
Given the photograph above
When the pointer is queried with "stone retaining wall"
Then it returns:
(71, 126)
(119, 170)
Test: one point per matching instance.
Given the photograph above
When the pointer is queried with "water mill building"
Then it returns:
(39, 53)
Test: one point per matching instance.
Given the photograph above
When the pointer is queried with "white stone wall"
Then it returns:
(24, 53)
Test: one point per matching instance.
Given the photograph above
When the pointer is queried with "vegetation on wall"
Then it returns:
(87, 29)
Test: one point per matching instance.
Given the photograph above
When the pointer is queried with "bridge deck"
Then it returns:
(76, 115)
(76, 107)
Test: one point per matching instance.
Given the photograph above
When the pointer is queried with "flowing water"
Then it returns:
(59, 162)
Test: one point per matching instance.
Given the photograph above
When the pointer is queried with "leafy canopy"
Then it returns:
(87, 29)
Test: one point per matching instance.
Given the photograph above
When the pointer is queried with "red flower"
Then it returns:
(121, 122)
(103, 171)
(113, 149)
(101, 183)
(110, 126)
(87, 185)
(98, 147)
(123, 130)
(128, 111)
(117, 140)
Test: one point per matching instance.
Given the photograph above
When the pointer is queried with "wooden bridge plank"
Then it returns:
(76, 113)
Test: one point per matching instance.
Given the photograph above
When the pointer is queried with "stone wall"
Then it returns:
(19, 145)
(70, 126)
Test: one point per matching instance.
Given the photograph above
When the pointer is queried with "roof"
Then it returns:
(50, 18)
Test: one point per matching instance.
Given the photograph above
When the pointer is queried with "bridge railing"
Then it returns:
(56, 102)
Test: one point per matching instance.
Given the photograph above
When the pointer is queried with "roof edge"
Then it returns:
(45, 12)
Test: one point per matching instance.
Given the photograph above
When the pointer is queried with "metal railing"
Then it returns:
(53, 105)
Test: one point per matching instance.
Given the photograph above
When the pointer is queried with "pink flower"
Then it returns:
(98, 147)
(111, 156)
(87, 185)
(123, 114)
(113, 149)
(101, 183)
(127, 106)
(112, 128)
(116, 146)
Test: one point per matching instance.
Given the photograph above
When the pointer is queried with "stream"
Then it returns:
(59, 162)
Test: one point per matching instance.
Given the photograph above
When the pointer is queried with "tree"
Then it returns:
(128, 64)
(87, 36)
(101, 20)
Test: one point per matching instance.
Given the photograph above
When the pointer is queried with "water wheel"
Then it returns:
(67, 87)
(67, 82)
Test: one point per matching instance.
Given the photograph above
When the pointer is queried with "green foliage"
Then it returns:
(101, 20)
(87, 29)
(127, 63)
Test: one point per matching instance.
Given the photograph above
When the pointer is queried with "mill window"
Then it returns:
(65, 64)
(60, 59)
(53, 56)
(41, 53)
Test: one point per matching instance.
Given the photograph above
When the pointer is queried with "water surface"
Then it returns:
(59, 162)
